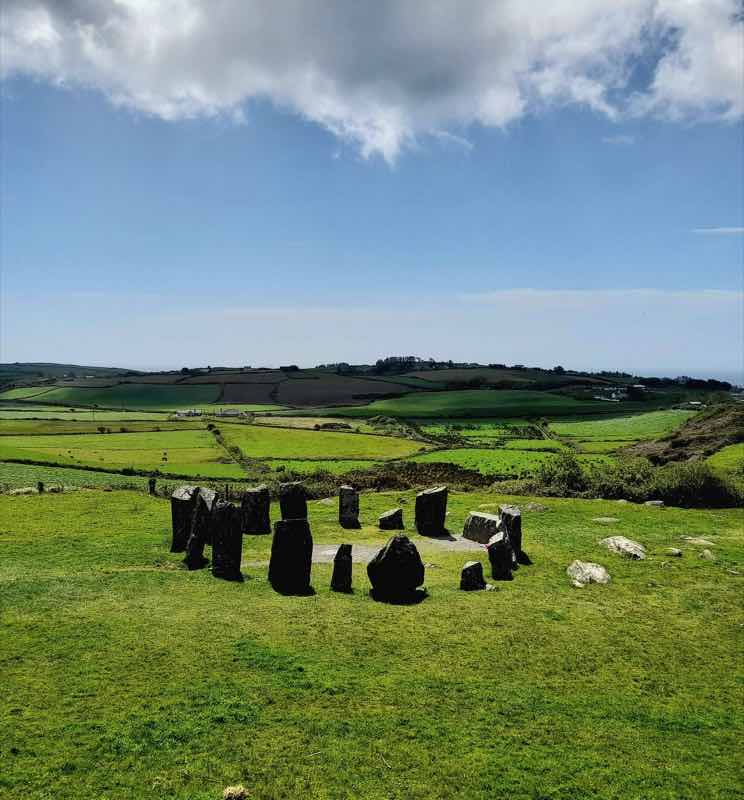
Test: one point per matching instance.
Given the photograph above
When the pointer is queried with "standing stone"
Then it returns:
(254, 509)
(227, 541)
(396, 571)
(501, 556)
(40, 487)
(291, 557)
(341, 579)
(431, 510)
(151, 486)
(480, 527)
(471, 577)
(391, 520)
(511, 516)
(201, 529)
(292, 501)
(348, 507)
(183, 502)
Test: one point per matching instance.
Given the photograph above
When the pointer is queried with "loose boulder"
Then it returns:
(471, 577)
(227, 541)
(625, 547)
(396, 571)
(341, 578)
(291, 557)
(431, 511)
(254, 510)
(292, 501)
(391, 520)
(675, 552)
(707, 555)
(501, 556)
(183, 502)
(583, 572)
(348, 507)
(480, 527)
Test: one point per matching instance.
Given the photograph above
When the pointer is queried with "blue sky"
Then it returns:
(261, 234)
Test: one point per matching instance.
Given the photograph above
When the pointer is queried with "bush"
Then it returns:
(692, 483)
(561, 475)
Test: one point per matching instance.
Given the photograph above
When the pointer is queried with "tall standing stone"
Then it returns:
(183, 501)
(480, 527)
(254, 509)
(391, 520)
(291, 557)
(431, 511)
(201, 529)
(341, 578)
(396, 571)
(348, 507)
(511, 516)
(292, 501)
(40, 487)
(501, 556)
(227, 541)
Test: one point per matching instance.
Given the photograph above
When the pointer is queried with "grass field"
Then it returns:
(125, 677)
(729, 459)
(70, 414)
(19, 475)
(650, 425)
(337, 467)
(49, 426)
(492, 461)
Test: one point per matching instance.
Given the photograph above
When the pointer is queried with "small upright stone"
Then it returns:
(227, 541)
(511, 516)
(501, 556)
(292, 501)
(348, 507)
(254, 509)
(204, 505)
(183, 501)
(471, 577)
(391, 520)
(341, 579)
(431, 511)
(40, 487)
(396, 571)
(480, 527)
(291, 557)
(151, 486)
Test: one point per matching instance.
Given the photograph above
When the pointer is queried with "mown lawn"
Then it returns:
(126, 677)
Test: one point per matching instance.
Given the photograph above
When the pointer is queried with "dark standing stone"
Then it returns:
(201, 529)
(292, 501)
(391, 520)
(255, 510)
(396, 571)
(291, 557)
(227, 541)
(151, 486)
(206, 501)
(511, 516)
(431, 510)
(348, 507)
(40, 487)
(471, 577)
(183, 502)
(341, 579)
(501, 556)
(480, 527)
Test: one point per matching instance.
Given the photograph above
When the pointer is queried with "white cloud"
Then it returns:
(719, 231)
(383, 75)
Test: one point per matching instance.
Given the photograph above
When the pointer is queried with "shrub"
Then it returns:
(692, 483)
(561, 475)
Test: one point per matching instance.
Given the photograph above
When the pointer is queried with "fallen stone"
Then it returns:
(538, 507)
(254, 510)
(605, 520)
(431, 511)
(183, 502)
(707, 555)
(583, 572)
(625, 547)
(292, 501)
(501, 556)
(341, 578)
(391, 520)
(697, 540)
(674, 551)
(291, 557)
(348, 507)
(471, 577)
(227, 541)
(654, 503)
(238, 792)
(396, 571)
(24, 490)
(480, 526)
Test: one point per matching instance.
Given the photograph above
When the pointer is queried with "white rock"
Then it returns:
(583, 572)
(654, 503)
(625, 547)
(674, 551)
(707, 555)
(699, 541)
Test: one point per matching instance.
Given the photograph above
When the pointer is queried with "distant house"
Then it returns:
(228, 412)
(189, 412)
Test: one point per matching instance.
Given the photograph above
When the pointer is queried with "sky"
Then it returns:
(187, 183)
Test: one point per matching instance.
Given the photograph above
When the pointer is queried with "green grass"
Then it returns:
(49, 426)
(68, 414)
(650, 425)
(192, 452)
(337, 467)
(134, 395)
(729, 459)
(259, 441)
(534, 444)
(598, 446)
(18, 475)
(23, 392)
(502, 462)
(125, 677)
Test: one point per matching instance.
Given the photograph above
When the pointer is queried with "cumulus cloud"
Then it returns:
(386, 74)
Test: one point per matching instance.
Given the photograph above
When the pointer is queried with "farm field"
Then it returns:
(55, 426)
(310, 466)
(495, 461)
(316, 695)
(309, 423)
(650, 425)
(83, 415)
(729, 459)
(22, 475)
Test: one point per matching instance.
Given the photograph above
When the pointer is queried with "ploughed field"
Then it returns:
(125, 676)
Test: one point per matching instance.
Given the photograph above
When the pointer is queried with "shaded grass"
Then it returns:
(135, 395)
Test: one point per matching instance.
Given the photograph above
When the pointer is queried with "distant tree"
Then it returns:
(185, 371)
(559, 370)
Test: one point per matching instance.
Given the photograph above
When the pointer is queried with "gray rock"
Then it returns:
(396, 571)
(471, 577)
(538, 507)
(625, 547)
(707, 555)
(227, 541)
(583, 572)
(201, 529)
(501, 556)
(654, 503)
(341, 578)
(254, 510)
(674, 551)
(292, 501)
(391, 520)
(183, 502)
(431, 511)
(697, 540)
(291, 557)
(348, 507)
(480, 526)
(24, 490)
